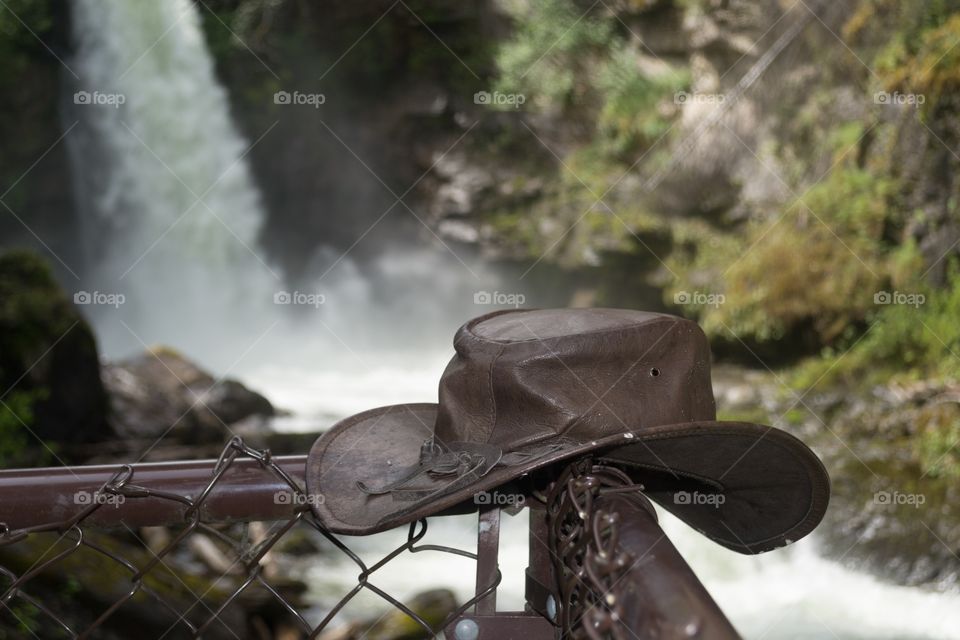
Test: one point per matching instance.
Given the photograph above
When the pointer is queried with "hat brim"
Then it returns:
(748, 487)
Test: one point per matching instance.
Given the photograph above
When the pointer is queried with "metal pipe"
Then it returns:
(666, 599)
(488, 550)
(44, 497)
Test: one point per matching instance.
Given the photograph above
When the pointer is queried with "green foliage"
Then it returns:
(565, 61)
(895, 22)
(551, 53)
(28, 82)
(817, 264)
(632, 117)
(904, 342)
(32, 307)
(26, 618)
(931, 68)
(17, 43)
(16, 416)
(939, 431)
(910, 45)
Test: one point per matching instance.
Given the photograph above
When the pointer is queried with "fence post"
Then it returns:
(488, 550)
(666, 599)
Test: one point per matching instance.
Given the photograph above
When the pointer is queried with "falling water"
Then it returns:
(171, 218)
(171, 214)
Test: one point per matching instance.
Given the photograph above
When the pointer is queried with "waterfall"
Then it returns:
(171, 217)
(170, 212)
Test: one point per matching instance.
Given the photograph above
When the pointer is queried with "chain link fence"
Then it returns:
(44, 568)
(212, 549)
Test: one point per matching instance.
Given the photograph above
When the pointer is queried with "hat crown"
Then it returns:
(524, 376)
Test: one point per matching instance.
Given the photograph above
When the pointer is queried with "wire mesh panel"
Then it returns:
(46, 570)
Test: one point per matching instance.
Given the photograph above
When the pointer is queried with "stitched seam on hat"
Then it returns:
(469, 327)
(493, 395)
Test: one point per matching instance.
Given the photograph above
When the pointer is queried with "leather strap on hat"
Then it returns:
(471, 460)
(462, 461)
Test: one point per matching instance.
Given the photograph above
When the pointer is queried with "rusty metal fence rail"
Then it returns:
(599, 565)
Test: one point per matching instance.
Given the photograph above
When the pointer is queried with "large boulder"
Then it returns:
(162, 393)
(49, 371)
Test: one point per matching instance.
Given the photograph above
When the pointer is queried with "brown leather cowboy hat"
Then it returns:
(528, 389)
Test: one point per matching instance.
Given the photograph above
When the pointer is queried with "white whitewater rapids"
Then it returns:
(172, 219)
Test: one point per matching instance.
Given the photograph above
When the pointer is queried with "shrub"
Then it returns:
(818, 265)
(565, 61)
(633, 116)
(551, 53)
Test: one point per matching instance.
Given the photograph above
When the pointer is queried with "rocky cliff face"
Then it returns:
(392, 97)
(741, 142)
(794, 160)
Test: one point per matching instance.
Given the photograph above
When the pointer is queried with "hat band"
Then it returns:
(463, 462)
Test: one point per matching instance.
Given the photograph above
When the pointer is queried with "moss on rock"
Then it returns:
(48, 356)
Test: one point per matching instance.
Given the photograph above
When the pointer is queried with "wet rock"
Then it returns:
(433, 606)
(463, 183)
(895, 497)
(299, 541)
(161, 391)
(895, 508)
(895, 501)
(49, 370)
(82, 585)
